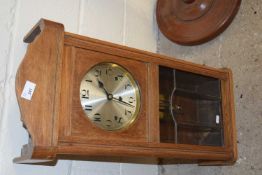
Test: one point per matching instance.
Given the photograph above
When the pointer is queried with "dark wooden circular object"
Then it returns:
(191, 22)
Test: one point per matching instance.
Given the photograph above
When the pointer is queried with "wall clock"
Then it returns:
(82, 98)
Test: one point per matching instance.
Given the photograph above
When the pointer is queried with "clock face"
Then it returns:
(110, 96)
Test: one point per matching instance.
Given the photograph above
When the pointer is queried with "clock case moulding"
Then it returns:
(57, 60)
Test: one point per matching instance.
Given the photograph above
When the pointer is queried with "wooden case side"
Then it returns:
(233, 118)
(153, 103)
(42, 66)
(232, 132)
(230, 121)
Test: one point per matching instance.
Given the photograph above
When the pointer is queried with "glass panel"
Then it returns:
(190, 108)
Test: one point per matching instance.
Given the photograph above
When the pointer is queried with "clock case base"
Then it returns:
(46, 118)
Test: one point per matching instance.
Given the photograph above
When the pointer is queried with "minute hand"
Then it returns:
(122, 102)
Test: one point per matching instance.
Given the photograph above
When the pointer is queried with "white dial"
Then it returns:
(109, 96)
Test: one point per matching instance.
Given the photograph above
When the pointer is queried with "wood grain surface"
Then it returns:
(56, 61)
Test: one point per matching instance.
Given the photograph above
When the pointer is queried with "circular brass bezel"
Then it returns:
(134, 85)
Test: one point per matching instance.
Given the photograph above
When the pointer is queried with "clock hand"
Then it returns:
(108, 95)
(119, 100)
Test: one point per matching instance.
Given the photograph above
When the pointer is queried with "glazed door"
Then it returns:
(190, 108)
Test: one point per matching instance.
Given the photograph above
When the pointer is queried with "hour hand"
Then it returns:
(101, 85)
(119, 100)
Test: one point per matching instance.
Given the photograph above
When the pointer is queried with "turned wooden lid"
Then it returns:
(191, 22)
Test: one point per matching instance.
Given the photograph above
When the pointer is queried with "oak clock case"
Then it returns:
(96, 100)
